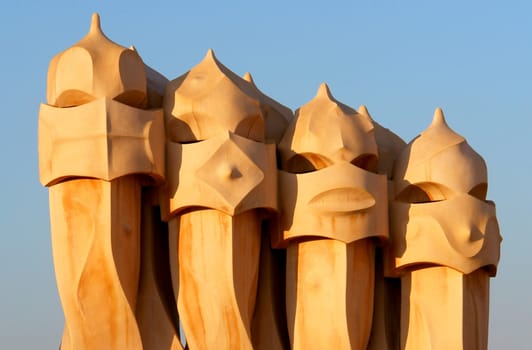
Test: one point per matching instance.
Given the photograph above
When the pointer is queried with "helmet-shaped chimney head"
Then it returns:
(442, 157)
(326, 131)
(96, 67)
(210, 99)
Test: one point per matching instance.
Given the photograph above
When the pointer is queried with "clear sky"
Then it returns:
(400, 58)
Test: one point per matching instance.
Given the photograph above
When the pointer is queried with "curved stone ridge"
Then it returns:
(275, 114)
(389, 145)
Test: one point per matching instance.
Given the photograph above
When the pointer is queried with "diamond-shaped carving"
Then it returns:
(231, 173)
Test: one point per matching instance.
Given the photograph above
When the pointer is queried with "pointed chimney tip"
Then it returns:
(210, 54)
(247, 77)
(323, 91)
(364, 111)
(95, 23)
(439, 118)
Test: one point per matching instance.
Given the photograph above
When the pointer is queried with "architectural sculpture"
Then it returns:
(387, 296)
(268, 326)
(97, 144)
(156, 311)
(221, 178)
(331, 203)
(172, 213)
(445, 241)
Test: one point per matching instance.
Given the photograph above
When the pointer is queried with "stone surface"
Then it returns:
(445, 241)
(332, 206)
(221, 178)
(203, 206)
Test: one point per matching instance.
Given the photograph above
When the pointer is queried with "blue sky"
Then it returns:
(400, 58)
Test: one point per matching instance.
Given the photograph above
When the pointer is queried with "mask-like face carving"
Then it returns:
(103, 133)
(228, 172)
(460, 232)
(328, 188)
(341, 202)
(102, 139)
(440, 214)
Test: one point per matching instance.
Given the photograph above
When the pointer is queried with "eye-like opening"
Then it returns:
(479, 191)
(73, 98)
(188, 142)
(133, 98)
(252, 127)
(306, 162)
(367, 162)
(424, 192)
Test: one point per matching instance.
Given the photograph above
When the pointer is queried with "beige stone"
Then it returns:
(227, 172)
(97, 147)
(210, 99)
(268, 328)
(385, 330)
(221, 177)
(102, 139)
(389, 145)
(440, 217)
(167, 210)
(276, 116)
(325, 183)
(448, 202)
(341, 202)
(156, 311)
(445, 309)
(96, 247)
(96, 67)
(332, 207)
(214, 273)
(387, 297)
(331, 129)
(330, 293)
(156, 85)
